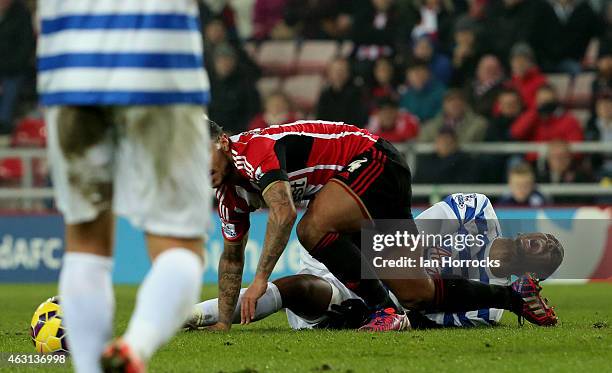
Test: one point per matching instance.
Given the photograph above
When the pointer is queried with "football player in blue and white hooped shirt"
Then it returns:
(314, 298)
(125, 92)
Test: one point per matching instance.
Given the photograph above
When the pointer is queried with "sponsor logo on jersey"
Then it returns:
(298, 188)
(356, 164)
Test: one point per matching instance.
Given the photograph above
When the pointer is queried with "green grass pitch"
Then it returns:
(582, 341)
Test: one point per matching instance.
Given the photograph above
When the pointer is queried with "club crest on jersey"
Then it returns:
(230, 230)
(356, 164)
(464, 200)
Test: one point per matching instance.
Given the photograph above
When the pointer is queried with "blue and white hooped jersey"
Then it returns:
(473, 214)
(120, 52)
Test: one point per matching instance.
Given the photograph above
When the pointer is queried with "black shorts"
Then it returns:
(380, 181)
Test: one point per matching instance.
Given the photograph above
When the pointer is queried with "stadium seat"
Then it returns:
(581, 91)
(561, 82)
(11, 170)
(277, 57)
(267, 85)
(582, 115)
(315, 55)
(29, 132)
(304, 90)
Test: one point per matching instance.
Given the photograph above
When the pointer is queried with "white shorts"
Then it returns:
(149, 164)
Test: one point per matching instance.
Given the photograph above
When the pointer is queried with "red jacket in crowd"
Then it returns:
(528, 85)
(531, 126)
(406, 127)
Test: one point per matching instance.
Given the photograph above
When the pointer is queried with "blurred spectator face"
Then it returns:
(511, 3)
(520, 64)
(5, 4)
(545, 96)
(509, 104)
(382, 5)
(432, 4)
(338, 73)
(224, 65)
(383, 71)
(423, 49)
(559, 157)
(465, 37)
(418, 76)
(489, 69)
(276, 109)
(521, 186)
(603, 108)
(214, 32)
(387, 116)
(445, 145)
(604, 66)
(454, 107)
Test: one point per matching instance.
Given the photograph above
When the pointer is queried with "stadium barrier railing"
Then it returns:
(27, 192)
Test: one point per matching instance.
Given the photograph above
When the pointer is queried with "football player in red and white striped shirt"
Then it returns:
(352, 173)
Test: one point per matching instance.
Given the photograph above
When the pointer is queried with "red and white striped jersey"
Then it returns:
(305, 153)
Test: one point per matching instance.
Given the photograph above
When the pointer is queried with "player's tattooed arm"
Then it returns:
(281, 218)
(231, 265)
(282, 215)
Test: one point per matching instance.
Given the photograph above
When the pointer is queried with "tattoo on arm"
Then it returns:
(280, 222)
(230, 278)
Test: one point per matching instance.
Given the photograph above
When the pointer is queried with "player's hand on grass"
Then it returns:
(218, 327)
(249, 300)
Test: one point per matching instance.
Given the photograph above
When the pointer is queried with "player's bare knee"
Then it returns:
(158, 244)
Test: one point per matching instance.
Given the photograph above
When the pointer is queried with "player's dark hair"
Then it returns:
(215, 130)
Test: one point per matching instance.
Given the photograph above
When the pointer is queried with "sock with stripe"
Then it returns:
(460, 295)
(343, 258)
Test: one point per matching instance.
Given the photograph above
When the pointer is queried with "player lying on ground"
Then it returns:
(315, 298)
(352, 173)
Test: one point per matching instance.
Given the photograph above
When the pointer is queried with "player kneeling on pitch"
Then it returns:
(352, 173)
(314, 298)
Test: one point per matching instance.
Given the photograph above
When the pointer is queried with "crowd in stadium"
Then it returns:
(446, 72)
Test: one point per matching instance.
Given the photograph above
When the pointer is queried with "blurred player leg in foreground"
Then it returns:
(150, 172)
(124, 87)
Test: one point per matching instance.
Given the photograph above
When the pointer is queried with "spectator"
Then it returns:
(392, 124)
(562, 166)
(383, 84)
(603, 80)
(234, 99)
(483, 90)
(508, 22)
(16, 51)
(526, 76)
(457, 115)
(215, 34)
(277, 110)
(435, 19)
(565, 29)
(509, 106)
(374, 33)
(448, 165)
(465, 53)
(319, 19)
(269, 20)
(422, 95)
(599, 128)
(547, 121)
(523, 190)
(439, 64)
(341, 100)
